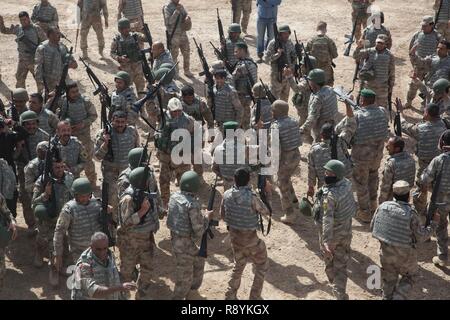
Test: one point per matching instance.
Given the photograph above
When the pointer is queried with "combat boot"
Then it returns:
(289, 217)
(38, 260)
(260, 60)
(437, 261)
(53, 276)
(373, 205)
(363, 216)
(100, 52)
(84, 54)
(188, 74)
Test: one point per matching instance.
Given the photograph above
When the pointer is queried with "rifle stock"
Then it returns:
(209, 79)
(203, 251)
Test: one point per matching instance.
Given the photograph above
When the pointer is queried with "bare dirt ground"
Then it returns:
(295, 268)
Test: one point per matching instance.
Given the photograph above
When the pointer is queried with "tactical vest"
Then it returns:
(171, 7)
(193, 109)
(243, 83)
(122, 144)
(44, 14)
(178, 220)
(427, 43)
(224, 109)
(150, 222)
(404, 167)
(27, 41)
(230, 164)
(122, 100)
(289, 133)
(392, 224)
(165, 57)
(7, 180)
(372, 125)
(329, 110)
(381, 65)
(43, 117)
(444, 189)
(230, 46)
(62, 192)
(239, 213)
(444, 14)
(132, 9)
(320, 50)
(345, 203)
(165, 142)
(440, 69)
(129, 47)
(266, 113)
(70, 152)
(75, 111)
(85, 222)
(427, 143)
(54, 58)
(360, 5)
(32, 142)
(371, 34)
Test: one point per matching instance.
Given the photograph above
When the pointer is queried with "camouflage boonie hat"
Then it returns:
(284, 28)
(401, 188)
(381, 38)
(217, 66)
(426, 20)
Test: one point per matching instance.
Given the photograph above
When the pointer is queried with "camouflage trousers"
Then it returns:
(279, 89)
(246, 104)
(136, 74)
(366, 180)
(243, 9)
(289, 162)
(336, 266)
(257, 255)
(361, 22)
(443, 29)
(111, 173)
(23, 67)
(44, 238)
(381, 92)
(89, 166)
(442, 235)
(329, 73)
(189, 266)
(420, 198)
(181, 43)
(165, 175)
(136, 248)
(96, 23)
(397, 262)
(416, 84)
(25, 199)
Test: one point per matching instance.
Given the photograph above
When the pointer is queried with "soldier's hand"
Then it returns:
(436, 217)
(123, 59)
(210, 214)
(310, 192)
(48, 190)
(12, 227)
(287, 72)
(280, 51)
(106, 137)
(110, 209)
(259, 124)
(360, 43)
(58, 262)
(328, 250)
(412, 52)
(128, 286)
(268, 187)
(144, 207)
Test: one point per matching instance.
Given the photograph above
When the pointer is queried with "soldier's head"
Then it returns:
(427, 24)
(136, 157)
(99, 245)
(82, 190)
(401, 190)
(44, 2)
(316, 78)
(280, 109)
(442, 48)
(122, 80)
(41, 149)
(334, 171)
(284, 32)
(440, 88)
(304, 66)
(20, 96)
(176, 1)
(58, 167)
(258, 91)
(139, 178)
(124, 26)
(444, 141)
(73, 92)
(395, 145)
(53, 35)
(24, 19)
(431, 112)
(175, 108)
(158, 49)
(234, 31)
(119, 121)
(219, 77)
(367, 97)
(64, 131)
(29, 120)
(241, 50)
(36, 102)
(321, 28)
(326, 131)
(241, 177)
(190, 182)
(188, 94)
(380, 42)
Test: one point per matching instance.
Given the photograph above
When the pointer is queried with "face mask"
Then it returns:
(330, 180)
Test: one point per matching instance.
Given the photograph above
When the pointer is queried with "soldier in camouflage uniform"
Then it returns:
(360, 15)
(442, 23)
(125, 49)
(187, 225)
(175, 119)
(161, 55)
(265, 111)
(91, 11)
(333, 212)
(132, 10)
(178, 21)
(71, 150)
(399, 166)
(321, 152)
(441, 97)
(322, 106)
(371, 33)
(81, 113)
(426, 134)
(48, 121)
(25, 152)
(290, 140)
(138, 222)
(324, 50)
(234, 37)
(28, 38)
(367, 151)
(378, 68)
(123, 97)
(136, 158)
(241, 8)
(245, 75)
(7, 230)
(51, 55)
(240, 209)
(396, 225)
(440, 164)
(79, 219)
(45, 15)
(279, 85)
(123, 138)
(48, 201)
(8, 182)
(195, 107)
(96, 275)
(20, 99)
(35, 167)
(422, 44)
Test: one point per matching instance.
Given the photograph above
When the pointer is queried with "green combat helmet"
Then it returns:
(20, 94)
(441, 86)
(337, 167)
(41, 212)
(234, 27)
(190, 182)
(317, 76)
(284, 28)
(138, 178)
(123, 23)
(161, 72)
(123, 75)
(81, 186)
(5, 235)
(305, 207)
(134, 156)
(28, 116)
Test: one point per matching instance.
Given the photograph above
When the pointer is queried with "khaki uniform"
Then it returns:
(241, 8)
(443, 18)
(324, 50)
(91, 17)
(45, 16)
(132, 10)
(359, 13)
(74, 155)
(5, 218)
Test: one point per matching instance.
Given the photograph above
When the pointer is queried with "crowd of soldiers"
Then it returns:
(48, 151)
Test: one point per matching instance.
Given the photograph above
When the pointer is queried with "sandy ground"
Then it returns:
(295, 267)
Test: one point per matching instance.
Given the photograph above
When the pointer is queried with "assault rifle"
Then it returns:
(61, 87)
(223, 41)
(269, 93)
(334, 142)
(220, 56)
(169, 36)
(148, 74)
(298, 52)
(397, 122)
(344, 97)
(202, 252)
(262, 181)
(209, 79)
(148, 37)
(282, 59)
(105, 217)
(350, 39)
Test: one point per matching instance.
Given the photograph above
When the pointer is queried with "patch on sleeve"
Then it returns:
(325, 204)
